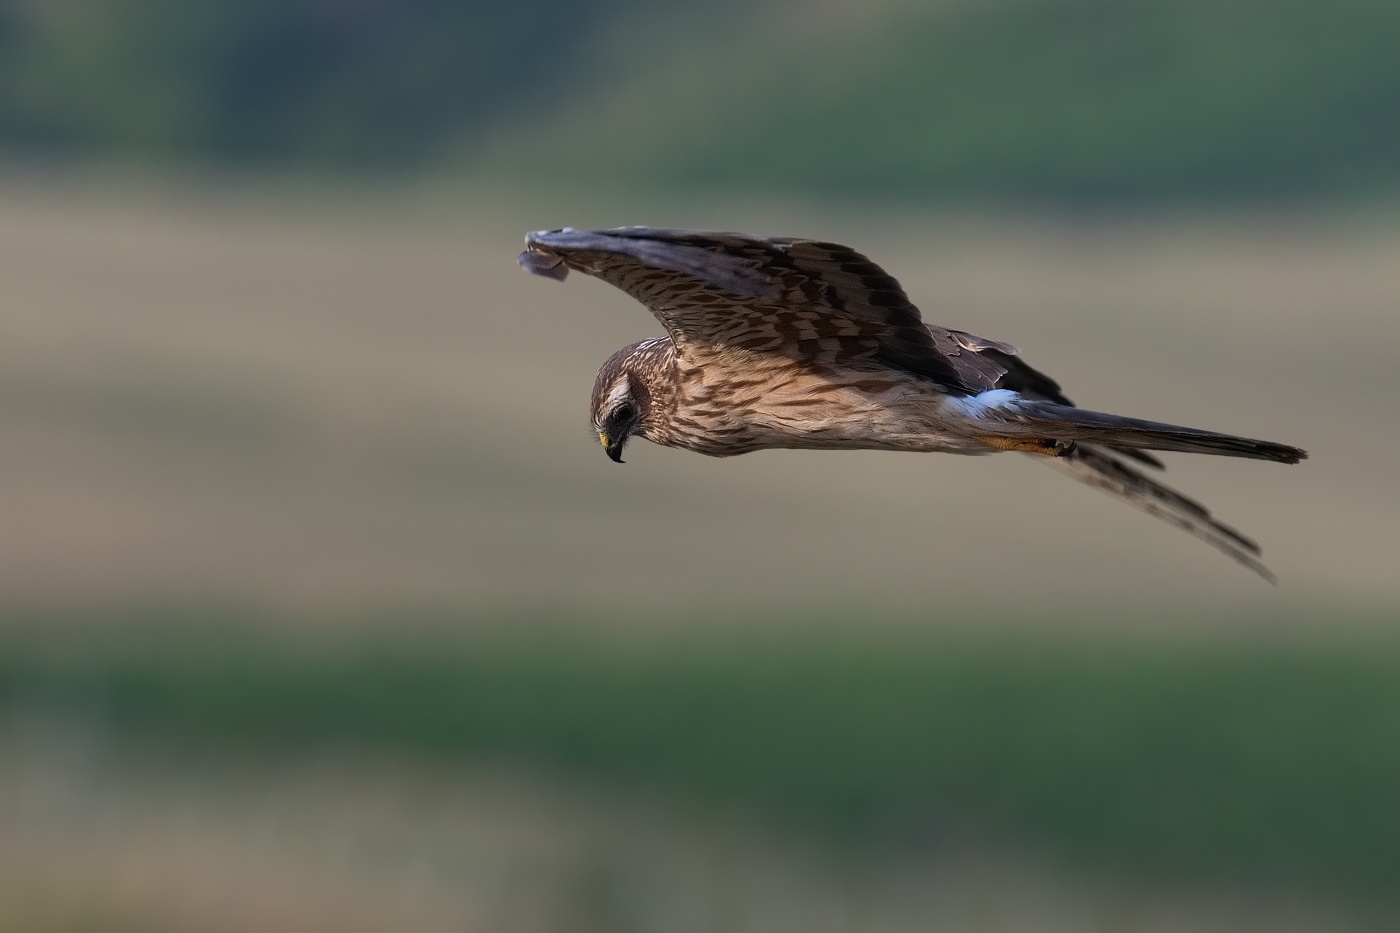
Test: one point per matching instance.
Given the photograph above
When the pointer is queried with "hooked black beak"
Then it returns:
(613, 446)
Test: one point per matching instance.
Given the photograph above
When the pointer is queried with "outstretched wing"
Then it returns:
(802, 298)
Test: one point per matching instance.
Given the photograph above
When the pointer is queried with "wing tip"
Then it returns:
(1100, 469)
(685, 253)
(1278, 453)
(541, 253)
(540, 262)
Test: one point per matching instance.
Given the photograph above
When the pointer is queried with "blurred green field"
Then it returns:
(1201, 759)
(1066, 101)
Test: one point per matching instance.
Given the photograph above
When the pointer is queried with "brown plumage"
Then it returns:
(785, 342)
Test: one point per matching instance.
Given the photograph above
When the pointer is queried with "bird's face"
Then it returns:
(632, 394)
(617, 414)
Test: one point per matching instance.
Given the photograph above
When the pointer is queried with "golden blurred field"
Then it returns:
(328, 408)
(329, 401)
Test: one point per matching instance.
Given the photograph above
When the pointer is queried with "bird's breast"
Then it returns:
(723, 411)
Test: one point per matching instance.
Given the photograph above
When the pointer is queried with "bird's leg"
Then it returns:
(1029, 445)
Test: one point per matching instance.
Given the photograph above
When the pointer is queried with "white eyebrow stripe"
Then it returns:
(619, 393)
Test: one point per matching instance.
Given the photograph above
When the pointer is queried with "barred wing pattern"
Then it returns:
(801, 298)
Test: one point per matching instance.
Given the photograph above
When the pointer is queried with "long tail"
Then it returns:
(1088, 446)
(1100, 469)
(1062, 423)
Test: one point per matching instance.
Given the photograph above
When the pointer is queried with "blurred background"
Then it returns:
(321, 609)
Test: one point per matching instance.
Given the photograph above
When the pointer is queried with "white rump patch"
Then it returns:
(982, 404)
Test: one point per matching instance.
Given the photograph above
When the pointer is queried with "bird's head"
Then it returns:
(623, 396)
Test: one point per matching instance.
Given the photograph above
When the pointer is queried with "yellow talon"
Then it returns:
(1029, 445)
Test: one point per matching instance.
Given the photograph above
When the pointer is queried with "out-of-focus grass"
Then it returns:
(1066, 100)
(1205, 760)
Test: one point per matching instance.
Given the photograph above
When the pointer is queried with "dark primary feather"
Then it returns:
(1095, 467)
(782, 295)
(605, 253)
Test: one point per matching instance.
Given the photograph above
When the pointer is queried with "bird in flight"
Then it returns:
(781, 342)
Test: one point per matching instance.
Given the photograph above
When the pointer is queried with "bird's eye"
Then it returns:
(624, 413)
